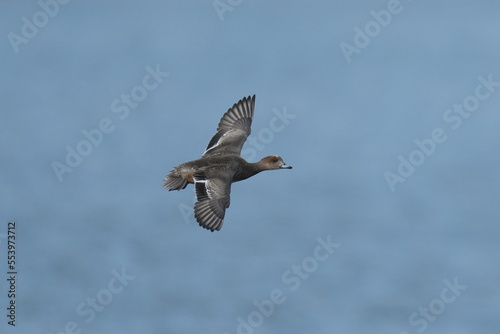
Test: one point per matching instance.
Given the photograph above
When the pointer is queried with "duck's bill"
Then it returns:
(286, 167)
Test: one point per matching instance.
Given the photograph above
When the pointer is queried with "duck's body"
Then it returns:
(183, 174)
(221, 165)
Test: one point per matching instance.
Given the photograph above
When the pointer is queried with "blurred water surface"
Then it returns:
(104, 249)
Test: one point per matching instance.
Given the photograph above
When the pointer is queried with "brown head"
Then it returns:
(273, 162)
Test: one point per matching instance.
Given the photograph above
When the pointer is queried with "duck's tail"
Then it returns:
(174, 181)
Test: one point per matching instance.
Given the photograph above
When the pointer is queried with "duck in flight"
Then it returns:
(220, 165)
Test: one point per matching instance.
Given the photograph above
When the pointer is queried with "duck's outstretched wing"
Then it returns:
(233, 130)
(212, 192)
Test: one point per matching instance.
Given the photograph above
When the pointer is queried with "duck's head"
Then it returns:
(274, 162)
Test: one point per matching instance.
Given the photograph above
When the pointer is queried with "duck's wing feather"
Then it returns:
(212, 194)
(233, 130)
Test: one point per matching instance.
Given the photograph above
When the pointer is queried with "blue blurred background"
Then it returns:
(350, 118)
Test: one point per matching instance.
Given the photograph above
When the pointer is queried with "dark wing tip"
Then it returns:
(239, 115)
(207, 217)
